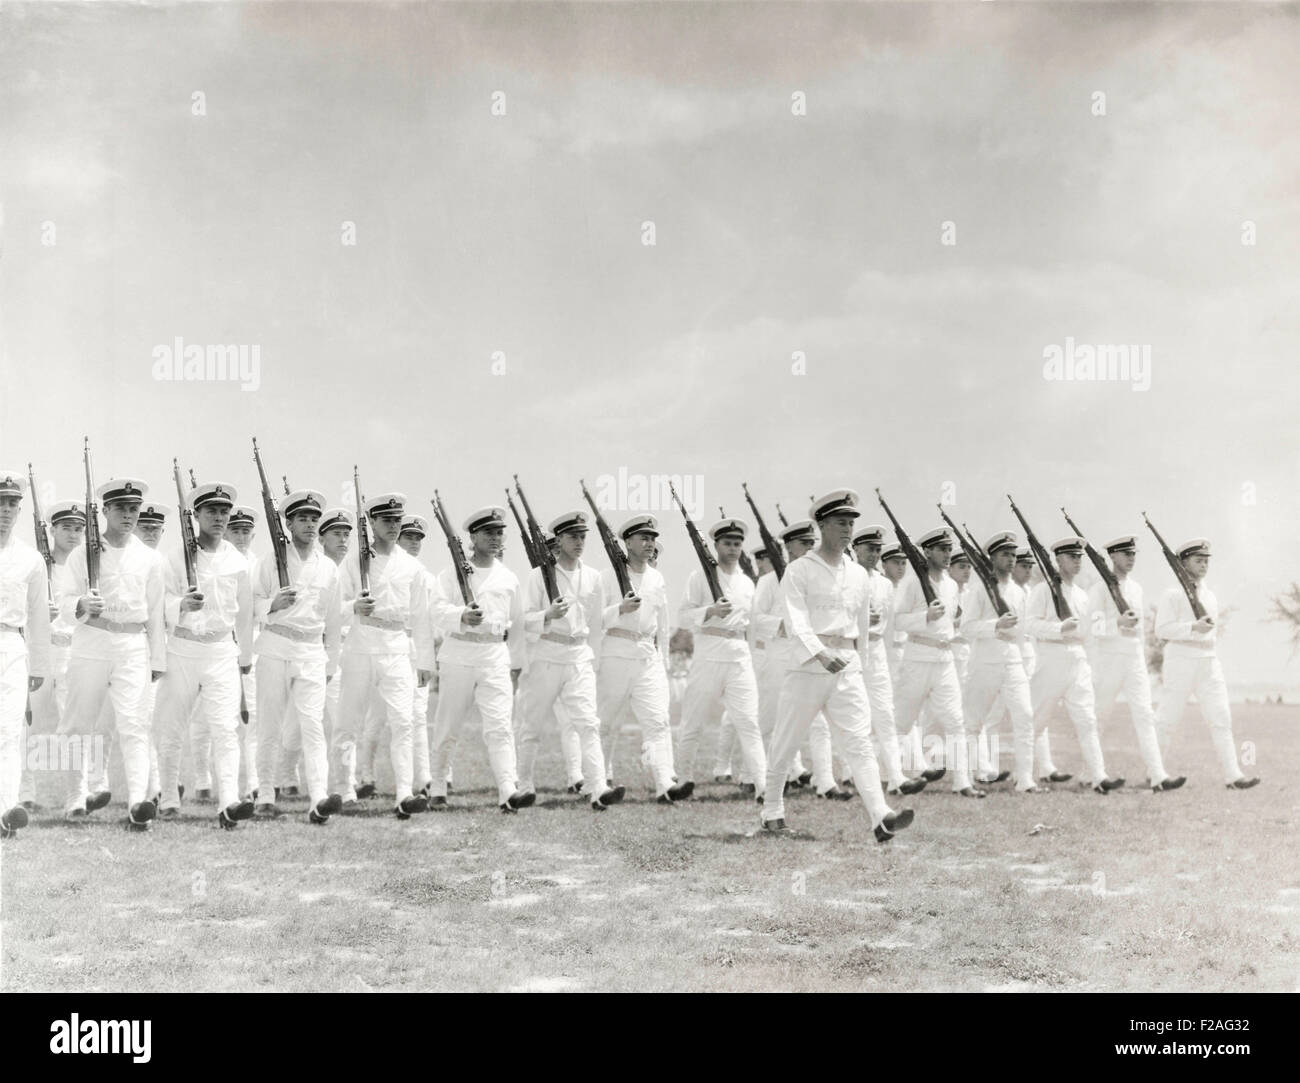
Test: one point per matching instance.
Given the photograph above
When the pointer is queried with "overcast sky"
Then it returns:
(129, 221)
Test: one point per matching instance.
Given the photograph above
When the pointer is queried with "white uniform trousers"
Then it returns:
(1063, 674)
(13, 718)
(420, 737)
(934, 685)
(1184, 675)
(291, 716)
(461, 688)
(709, 687)
(842, 698)
(992, 689)
(543, 685)
(384, 683)
(769, 674)
(41, 782)
(250, 736)
(641, 686)
(571, 744)
(1126, 671)
(727, 748)
(880, 691)
(211, 684)
(197, 749)
(610, 731)
(123, 682)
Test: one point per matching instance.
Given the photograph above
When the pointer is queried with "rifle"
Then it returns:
(1103, 569)
(189, 544)
(1184, 578)
(912, 553)
(1050, 575)
(746, 565)
(94, 543)
(545, 558)
(781, 515)
(284, 479)
(983, 569)
(612, 549)
(42, 537)
(524, 536)
(364, 550)
(279, 543)
(968, 539)
(463, 568)
(193, 484)
(773, 548)
(708, 562)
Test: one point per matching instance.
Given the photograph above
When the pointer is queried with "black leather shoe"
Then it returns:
(366, 789)
(1170, 784)
(805, 778)
(291, 791)
(30, 806)
(1001, 776)
(437, 803)
(1059, 776)
(516, 801)
(409, 806)
(450, 787)
(934, 774)
(721, 778)
(180, 792)
(97, 801)
(608, 798)
(681, 791)
(836, 794)
(893, 823)
(1243, 784)
(1097, 787)
(847, 784)
(577, 787)
(169, 814)
(913, 785)
(140, 816)
(265, 811)
(202, 795)
(234, 813)
(12, 820)
(776, 827)
(328, 806)
(1112, 783)
(971, 791)
(747, 789)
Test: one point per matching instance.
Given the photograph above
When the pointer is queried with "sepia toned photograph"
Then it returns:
(650, 497)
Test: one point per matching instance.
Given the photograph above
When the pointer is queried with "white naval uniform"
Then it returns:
(561, 669)
(997, 681)
(205, 649)
(1192, 666)
(928, 673)
(250, 756)
(633, 673)
(474, 671)
(770, 646)
(24, 653)
(375, 665)
(41, 781)
(876, 674)
(297, 653)
(1063, 673)
(1119, 664)
(722, 672)
(111, 659)
(420, 713)
(824, 601)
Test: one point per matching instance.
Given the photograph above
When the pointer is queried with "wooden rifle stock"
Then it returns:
(279, 543)
(1050, 575)
(708, 563)
(913, 554)
(1180, 573)
(189, 543)
(545, 558)
(94, 543)
(983, 569)
(459, 563)
(774, 553)
(612, 549)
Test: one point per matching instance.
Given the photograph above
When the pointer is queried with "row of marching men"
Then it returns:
(142, 655)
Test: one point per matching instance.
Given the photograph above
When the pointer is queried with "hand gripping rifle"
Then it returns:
(773, 548)
(913, 554)
(612, 549)
(545, 558)
(279, 543)
(1180, 573)
(1045, 565)
(94, 543)
(708, 563)
(1103, 569)
(983, 569)
(364, 549)
(460, 564)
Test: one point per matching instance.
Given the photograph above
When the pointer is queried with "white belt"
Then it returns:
(60, 639)
(296, 634)
(386, 625)
(930, 641)
(565, 638)
(130, 627)
(478, 637)
(723, 633)
(10, 628)
(200, 637)
(627, 633)
(846, 643)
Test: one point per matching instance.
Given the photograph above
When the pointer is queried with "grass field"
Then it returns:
(1193, 890)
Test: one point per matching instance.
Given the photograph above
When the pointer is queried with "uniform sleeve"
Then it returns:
(332, 601)
(980, 620)
(515, 640)
(444, 615)
(794, 603)
(535, 603)
(908, 617)
(610, 615)
(77, 584)
(263, 593)
(766, 623)
(155, 594)
(244, 619)
(37, 625)
(422, 620)
(691, 614)
(663, 624)
(173, 588)
(1170, 622)
(1041, 620)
